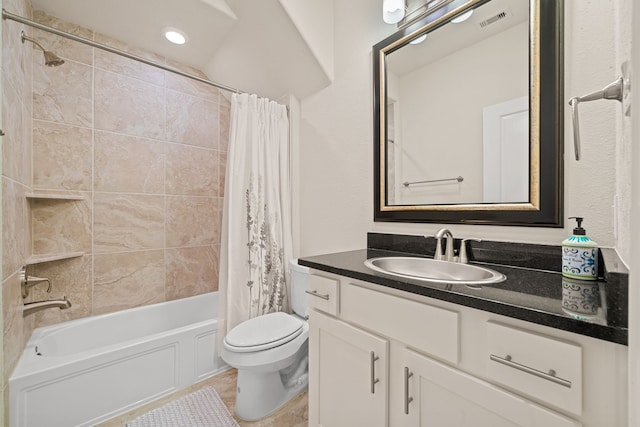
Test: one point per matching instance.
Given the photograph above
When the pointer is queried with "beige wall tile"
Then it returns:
(27, 147)
(128, 67)
(191, 221)
(222, 171)
(62, 94)
(13, 142)
(61, 46)
(72, 278)
(191, 171)
(191, 271)
(127, 222)
(62, 154)
(15, 58)
(61, 226)
(191, 120)
(225, 123)
(15, 227)
(128, 164)
(190, 86)
(16, 330)
(127, 105)
(129, 279)
(17, 106)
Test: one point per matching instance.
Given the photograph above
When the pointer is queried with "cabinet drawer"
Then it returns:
(323, 294)
(426, 328)
(542, 367)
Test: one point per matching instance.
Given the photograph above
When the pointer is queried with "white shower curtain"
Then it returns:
(256, 242)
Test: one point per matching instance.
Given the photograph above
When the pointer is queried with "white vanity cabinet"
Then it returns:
(350, 370)
(384, 357)
(439, 395)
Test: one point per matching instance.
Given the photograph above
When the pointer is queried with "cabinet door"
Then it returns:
(439, 395)
(348, 375)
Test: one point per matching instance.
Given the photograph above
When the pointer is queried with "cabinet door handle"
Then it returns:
(407, 399)
(374, 380)
(316, 294)
(550, 376)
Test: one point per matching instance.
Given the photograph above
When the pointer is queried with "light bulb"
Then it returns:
(392, 11)
(418, 39)
(461, 18)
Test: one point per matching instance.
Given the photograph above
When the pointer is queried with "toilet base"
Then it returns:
(260, 394)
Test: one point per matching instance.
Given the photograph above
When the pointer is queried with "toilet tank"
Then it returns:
(299, 284)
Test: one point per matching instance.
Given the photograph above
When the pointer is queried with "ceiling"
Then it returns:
(225, 37)
(450, 38)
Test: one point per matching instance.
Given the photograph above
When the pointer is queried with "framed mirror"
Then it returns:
(468, 122)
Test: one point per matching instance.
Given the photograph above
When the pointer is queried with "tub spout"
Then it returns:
(33, 307)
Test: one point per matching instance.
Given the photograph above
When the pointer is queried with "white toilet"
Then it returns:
(271, 354)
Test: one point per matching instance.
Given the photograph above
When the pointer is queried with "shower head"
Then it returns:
(50, 58)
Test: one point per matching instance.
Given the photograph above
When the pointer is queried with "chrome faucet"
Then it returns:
(34, 307)
(448, 254)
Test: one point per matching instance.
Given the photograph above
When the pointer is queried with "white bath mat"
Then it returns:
(202, 408)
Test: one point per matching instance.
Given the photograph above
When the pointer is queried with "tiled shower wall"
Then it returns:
(146, 150)
(16, 183)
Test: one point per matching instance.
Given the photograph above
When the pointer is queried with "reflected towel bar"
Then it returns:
(459, 179)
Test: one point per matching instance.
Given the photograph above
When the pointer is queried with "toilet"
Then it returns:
(271, 354)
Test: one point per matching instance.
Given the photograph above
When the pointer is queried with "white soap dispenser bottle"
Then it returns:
(580, 254)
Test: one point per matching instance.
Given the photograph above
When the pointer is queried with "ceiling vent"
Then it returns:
(496, 18)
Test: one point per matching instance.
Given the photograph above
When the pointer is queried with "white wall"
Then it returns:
(632, 134)
(314, 19)
(437, 125)
(337, 130)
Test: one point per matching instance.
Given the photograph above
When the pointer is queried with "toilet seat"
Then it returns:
(263, 332)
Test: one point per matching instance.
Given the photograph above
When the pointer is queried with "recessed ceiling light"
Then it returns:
(461, 18)
(174, 35)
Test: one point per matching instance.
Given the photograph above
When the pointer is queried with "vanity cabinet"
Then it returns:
(350, 369)
(385, 357)
(439, 395)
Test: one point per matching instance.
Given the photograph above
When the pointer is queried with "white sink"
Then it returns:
(435, 271)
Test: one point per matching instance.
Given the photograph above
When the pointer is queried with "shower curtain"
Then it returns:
(256, 242)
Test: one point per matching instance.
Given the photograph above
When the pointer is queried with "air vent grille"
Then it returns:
(493, 19)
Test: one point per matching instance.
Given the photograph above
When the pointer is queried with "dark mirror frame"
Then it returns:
(547, 30)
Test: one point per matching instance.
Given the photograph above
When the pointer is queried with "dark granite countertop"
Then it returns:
(593, 308)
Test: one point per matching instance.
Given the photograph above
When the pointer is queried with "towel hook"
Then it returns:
(613, 90)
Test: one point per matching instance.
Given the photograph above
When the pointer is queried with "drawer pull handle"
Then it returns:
(374, 380)
(316, 294)
(407, 399)
(551, 376)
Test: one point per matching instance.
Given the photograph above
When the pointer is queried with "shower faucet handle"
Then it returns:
(27, 282)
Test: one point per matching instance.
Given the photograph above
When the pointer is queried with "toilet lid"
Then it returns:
(264, 332)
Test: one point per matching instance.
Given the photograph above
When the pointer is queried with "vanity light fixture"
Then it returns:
(461, 18)
(174, 35)
(393, 11)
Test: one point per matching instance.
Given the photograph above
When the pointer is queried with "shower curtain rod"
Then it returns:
(34, 24)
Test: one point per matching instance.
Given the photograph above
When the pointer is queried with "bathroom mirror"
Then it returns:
(469, 121)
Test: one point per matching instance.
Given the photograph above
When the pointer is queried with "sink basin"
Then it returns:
(435, 271)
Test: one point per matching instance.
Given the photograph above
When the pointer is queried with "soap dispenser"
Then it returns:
(580, 254)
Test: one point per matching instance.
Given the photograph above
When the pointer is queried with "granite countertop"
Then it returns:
(593, 308)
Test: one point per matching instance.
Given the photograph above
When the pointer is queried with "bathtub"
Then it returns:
(85, 371)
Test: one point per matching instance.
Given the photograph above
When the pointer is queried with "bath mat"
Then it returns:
(202, 408)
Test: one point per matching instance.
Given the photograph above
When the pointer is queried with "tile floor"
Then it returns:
(293, 414)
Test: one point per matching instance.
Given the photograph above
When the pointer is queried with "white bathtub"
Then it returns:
(85, 371)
